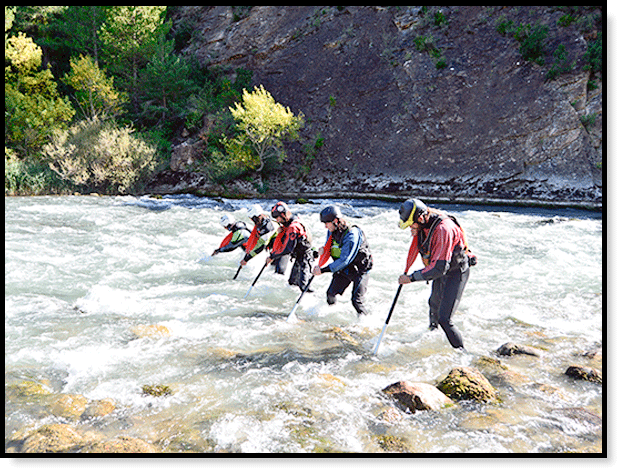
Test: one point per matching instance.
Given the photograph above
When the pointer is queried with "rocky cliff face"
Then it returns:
(482, 124)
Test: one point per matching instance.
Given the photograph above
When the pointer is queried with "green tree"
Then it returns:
(33, 106)
(130, 35)
(95, 93)
(165, 86)
(76, 31)
(265, 124)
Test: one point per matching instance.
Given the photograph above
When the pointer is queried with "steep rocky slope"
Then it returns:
(484, 124)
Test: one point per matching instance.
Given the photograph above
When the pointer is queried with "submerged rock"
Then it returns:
(70, 406)
(150, 331)
(511, 349)
(52, 438)
(584, 373)
(468, 384)
(25, 389)
(417, 396)
(122, 445)
(157, 390)
(99, 408)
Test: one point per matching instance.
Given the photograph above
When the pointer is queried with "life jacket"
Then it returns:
(363, 260)
(265, 227)
(234, 228)
(294, 231)
(421, 244)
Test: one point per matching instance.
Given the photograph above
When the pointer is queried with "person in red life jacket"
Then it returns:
(441, 243)
(262, 237)
(352, 259)
(238, 235)
(292, 240)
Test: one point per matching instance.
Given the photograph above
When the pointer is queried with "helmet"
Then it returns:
(330, 213)
(255, 211)
(409, 212)
(279, 209)
(227, 220)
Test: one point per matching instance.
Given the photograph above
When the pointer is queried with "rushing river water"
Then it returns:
(87, 279)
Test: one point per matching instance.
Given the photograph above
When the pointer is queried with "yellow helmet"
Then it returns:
(409, 212)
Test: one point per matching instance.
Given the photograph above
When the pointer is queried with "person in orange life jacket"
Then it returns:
(238, 235)
(441, 242)
(352, 259)
(292, 240)
(262, 237)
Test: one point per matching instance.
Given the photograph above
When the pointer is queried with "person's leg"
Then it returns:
(452, 293)
(360, 284)
(437, 288)
(338, 285)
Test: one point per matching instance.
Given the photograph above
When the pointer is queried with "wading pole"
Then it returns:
(396, 297)
(255, 280)
(292, 312)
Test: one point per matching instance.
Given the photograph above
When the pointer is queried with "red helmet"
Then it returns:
(280, 209)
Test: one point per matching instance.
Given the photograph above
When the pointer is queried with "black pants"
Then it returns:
(446, 293)
(301, 271)
(340, 282)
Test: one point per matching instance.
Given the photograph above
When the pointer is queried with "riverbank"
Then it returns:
(180, 182)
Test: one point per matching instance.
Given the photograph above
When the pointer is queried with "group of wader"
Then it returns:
(436, 236)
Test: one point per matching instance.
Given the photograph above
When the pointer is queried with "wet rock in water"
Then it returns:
(121, 445)
(511, 349)
(463, 384)
(150, 331)
(52, 438)
(393, 443)
(417, 396)
(70, 406)
(157, 390)
(342, 336)
(496, 371)
(25, 389)
(99, 408)
(584, 373)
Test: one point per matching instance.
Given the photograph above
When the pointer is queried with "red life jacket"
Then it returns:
(292, 232)
(252, 241)
(227, 240)
(421, 243)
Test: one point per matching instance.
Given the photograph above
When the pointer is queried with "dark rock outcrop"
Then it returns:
(484, 124)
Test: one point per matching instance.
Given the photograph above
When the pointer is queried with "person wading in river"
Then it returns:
(262, 237)
(292, 240)
(238, 235)
(441, 243)
(352, 259)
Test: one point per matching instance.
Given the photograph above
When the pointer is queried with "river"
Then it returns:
(87, 277)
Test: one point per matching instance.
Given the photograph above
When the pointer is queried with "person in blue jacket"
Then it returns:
(352, 260)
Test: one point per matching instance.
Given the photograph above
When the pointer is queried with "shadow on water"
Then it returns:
(329, 346)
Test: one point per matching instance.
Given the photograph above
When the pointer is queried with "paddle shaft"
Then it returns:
(256, 279)
(301, 296)
(237, 272)
(396, 297)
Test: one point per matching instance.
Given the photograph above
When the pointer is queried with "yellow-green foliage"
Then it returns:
(94, 91)
(100, 155)
(32, 103)
(265, 123)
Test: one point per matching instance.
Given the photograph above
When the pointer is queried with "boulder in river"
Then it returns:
(468, 384)
(584, 373)
(70, 406)
(52, 438)
(511, 349)
(121, 445)
(417, 396)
